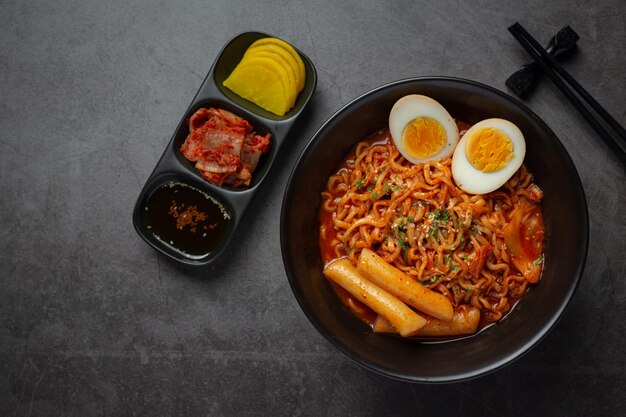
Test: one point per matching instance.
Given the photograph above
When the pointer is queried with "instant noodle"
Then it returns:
(418, 220)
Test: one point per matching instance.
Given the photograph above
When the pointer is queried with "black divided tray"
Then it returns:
(174, 167)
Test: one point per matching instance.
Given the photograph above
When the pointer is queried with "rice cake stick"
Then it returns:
(464, 322)
(391, 279)
(405, 320)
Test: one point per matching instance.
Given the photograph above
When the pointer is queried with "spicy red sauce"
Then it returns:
(328, 238)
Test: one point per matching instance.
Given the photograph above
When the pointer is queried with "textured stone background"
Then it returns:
(93, 322)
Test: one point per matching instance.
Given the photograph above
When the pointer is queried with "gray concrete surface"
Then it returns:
(93, 322)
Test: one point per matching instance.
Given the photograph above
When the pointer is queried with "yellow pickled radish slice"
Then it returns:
(273, 65)
(262, 85)
(290, 49)
(284, 56)
(262, 53)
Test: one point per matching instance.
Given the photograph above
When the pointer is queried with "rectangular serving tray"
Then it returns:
(173, 166)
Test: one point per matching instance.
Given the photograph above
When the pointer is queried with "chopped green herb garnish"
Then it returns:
(410, 219)
(387, 185)
(538, 261)
(359, 183)
(446, 258)
(401, 234)
(375, 195)
(441, 215)
(454, 267)
(433, 279)
(369, 189)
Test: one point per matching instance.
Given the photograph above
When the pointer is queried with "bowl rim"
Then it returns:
(523, 348)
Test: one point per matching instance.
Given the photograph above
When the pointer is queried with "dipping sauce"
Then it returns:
(186, 219)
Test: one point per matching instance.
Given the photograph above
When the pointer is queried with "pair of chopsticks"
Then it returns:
(616, 139)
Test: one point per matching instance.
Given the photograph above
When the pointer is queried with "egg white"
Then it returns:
(474, 181)
(413, 106)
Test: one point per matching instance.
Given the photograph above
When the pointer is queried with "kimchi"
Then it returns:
(224, 147)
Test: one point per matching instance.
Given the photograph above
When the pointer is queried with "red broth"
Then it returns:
(328, 238)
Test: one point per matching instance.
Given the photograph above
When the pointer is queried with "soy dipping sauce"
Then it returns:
(188, 220)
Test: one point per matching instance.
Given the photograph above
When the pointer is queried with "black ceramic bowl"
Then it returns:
(566, 223)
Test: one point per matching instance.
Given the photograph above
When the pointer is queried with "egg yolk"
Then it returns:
(423, 137)
(489, 149)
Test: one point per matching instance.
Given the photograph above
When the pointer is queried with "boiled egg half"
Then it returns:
(489, 153)
(422, 129)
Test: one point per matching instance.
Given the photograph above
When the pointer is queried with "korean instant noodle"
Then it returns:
(391, 226)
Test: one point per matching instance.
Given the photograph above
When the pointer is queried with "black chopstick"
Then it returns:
(555, 71)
